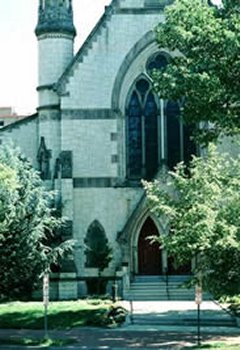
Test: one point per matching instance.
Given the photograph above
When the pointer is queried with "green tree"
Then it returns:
(27, 224)
(206, 70)
(201, 204)
(99, 255)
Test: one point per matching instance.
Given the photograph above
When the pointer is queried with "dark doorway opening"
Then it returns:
(149, 255)
(173, 269)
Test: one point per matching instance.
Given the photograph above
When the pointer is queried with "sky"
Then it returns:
(18, 55)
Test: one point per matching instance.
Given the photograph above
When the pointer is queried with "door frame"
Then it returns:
(149, 253)
(135, 237)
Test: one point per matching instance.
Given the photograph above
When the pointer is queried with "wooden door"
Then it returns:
(149, 255)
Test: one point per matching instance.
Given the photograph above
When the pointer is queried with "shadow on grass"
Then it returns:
(56, 320)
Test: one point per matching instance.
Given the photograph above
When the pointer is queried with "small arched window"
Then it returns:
(96, 242)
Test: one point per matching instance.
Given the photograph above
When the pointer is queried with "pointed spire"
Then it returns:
(55, 16)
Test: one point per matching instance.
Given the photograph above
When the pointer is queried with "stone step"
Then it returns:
(145, 294)
(161, 290)
(145, 288)
(157, 298)
(157, 285)
(161, 278)
(162, 297)
(160, 294)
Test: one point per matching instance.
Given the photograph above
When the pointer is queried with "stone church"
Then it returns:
(99, 129)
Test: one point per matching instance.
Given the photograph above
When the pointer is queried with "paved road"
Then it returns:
(90, 338)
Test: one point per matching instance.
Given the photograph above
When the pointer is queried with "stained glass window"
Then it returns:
(157, 62)
(151, 136)
(180, 146)
(142, 145)
(154, 133)
(173, 134)
(190, 147)
(134, 113)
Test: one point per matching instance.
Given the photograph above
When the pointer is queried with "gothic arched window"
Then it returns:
(158, 61)
(96, 243)
(180, 146)
(173, 134)
(142, 130)
(156, 133)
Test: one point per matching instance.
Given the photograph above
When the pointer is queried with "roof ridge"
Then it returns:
(19, 122)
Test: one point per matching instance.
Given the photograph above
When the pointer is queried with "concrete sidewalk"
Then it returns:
(213, 316)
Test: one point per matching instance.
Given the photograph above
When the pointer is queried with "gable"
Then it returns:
(98, 61)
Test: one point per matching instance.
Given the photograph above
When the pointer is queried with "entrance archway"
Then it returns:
(149, 255)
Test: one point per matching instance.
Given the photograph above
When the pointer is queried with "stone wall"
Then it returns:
(98, 66)
(23, 134)
(93, 130)
(111, 207)
(92, 146)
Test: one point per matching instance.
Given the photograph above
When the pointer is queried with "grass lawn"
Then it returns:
(61, 315)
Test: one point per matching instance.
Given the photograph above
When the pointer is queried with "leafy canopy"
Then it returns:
(202, 207)
(27, 225)
(206, 69)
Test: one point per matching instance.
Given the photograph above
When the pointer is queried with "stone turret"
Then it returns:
(55, 32)
(55, 16)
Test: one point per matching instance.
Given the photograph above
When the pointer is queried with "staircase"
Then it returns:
(155, 300)
(156, 288)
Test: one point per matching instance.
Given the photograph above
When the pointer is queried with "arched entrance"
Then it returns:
(149, 255)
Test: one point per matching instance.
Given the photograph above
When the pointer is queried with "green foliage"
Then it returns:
(234, 304)
(98, 251)
(96, 286)
(61, 315)
(202, 207)
(101, 257)
(207, 72)
(27, 222)
(117, 314)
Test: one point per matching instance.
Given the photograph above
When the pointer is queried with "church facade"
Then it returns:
(99, 129)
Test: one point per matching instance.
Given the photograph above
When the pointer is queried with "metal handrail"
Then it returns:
(131, 311)
(167, 283)
(227, 311)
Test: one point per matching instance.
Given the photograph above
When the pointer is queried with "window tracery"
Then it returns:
(155, 131)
